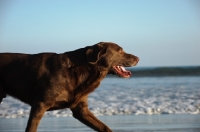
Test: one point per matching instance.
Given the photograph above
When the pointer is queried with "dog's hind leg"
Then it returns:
(37, 111)
(2, 93)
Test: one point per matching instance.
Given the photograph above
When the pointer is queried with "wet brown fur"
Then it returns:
(50, 81)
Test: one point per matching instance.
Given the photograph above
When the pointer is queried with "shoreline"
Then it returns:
(115, 96)
(118, 123)
(176, 71)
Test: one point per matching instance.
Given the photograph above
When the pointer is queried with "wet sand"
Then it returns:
(118, 123)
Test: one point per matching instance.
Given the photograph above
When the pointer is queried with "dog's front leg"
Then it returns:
(82, 113)
(36, 113)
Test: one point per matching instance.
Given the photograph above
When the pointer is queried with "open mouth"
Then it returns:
(121, 71)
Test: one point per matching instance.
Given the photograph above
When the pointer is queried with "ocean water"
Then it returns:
(121, 103)
(117, 96)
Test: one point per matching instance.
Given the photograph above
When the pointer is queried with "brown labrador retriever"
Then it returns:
(50, 81)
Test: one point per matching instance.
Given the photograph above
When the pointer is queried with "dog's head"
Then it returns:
(110, 56)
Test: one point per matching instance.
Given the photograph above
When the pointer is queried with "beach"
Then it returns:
(138, 104)
(118, 123)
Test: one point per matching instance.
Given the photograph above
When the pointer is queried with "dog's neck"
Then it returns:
(75, 59)
(82, 70)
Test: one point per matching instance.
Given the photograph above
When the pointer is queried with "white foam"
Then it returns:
(135, 96)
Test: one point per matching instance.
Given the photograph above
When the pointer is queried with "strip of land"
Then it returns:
(164, 71)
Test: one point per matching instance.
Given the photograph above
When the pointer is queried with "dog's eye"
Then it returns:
(121, 51)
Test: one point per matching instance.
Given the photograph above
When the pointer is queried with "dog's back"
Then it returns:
(19, 72)
(7, 66)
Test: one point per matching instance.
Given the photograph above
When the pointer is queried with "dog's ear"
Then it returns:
(95, 52)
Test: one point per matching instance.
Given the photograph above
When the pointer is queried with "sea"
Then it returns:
(137, 104)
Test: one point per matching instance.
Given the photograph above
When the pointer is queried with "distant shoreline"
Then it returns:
(164, 71)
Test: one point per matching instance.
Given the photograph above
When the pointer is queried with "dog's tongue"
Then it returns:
(123, 72)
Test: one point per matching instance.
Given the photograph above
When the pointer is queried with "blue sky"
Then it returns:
(160, 32)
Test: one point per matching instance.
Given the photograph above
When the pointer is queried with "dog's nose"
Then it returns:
(138, 59)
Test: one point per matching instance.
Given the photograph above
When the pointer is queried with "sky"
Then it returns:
(159, 32)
